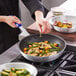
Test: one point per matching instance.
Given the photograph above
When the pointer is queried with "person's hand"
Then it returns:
(11, 20)
(44, 26)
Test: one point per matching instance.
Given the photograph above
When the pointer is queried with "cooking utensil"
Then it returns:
(33, 71)
(63, 19)
(44, 37)
(25, 33)
(41, 30)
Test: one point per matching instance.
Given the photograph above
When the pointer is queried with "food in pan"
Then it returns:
(63, 25)
(41, 49)
(15, 72)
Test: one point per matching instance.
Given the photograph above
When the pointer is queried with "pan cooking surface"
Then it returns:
(45, 37)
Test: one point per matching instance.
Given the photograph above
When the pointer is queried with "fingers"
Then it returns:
(45, 27)
(13, 25)
(11, 20)
(17, 20)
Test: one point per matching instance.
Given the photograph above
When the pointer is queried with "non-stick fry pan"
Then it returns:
(45, 37)
(36, 38)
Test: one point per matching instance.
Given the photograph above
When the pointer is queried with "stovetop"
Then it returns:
(63, 66)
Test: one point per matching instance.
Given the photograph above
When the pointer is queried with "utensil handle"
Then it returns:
(18, 25)
(40, 28)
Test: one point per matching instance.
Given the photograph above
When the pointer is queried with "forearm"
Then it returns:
(33, 5)
(2, 18)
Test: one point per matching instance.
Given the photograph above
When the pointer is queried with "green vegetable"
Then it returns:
(41, 46)
(43, 52)
(34, 46)
(51, 50)
(15, 72)
(17, 69)
(30, 43)
(26, 72)
(32, 51)
(8, 71)
(19, 72)
(28, 48)
(4, 73)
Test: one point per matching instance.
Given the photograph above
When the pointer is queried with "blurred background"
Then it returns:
(25, 14)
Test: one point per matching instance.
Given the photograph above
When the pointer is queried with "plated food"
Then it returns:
(63, 24)
(41, 49)
(17, 69)
(15, 72)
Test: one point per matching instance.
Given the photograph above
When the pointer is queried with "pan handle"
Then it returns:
(23, 33)
(18, 25)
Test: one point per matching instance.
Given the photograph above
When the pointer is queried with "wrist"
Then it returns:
(2, 18)
(39, 15)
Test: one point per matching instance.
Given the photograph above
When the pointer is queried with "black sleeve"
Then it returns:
(33, 5)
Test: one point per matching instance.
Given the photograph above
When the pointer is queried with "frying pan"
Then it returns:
(45, 37)
(36, 38)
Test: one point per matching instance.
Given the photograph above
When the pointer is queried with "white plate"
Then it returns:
(33, 71)
(63, 19)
